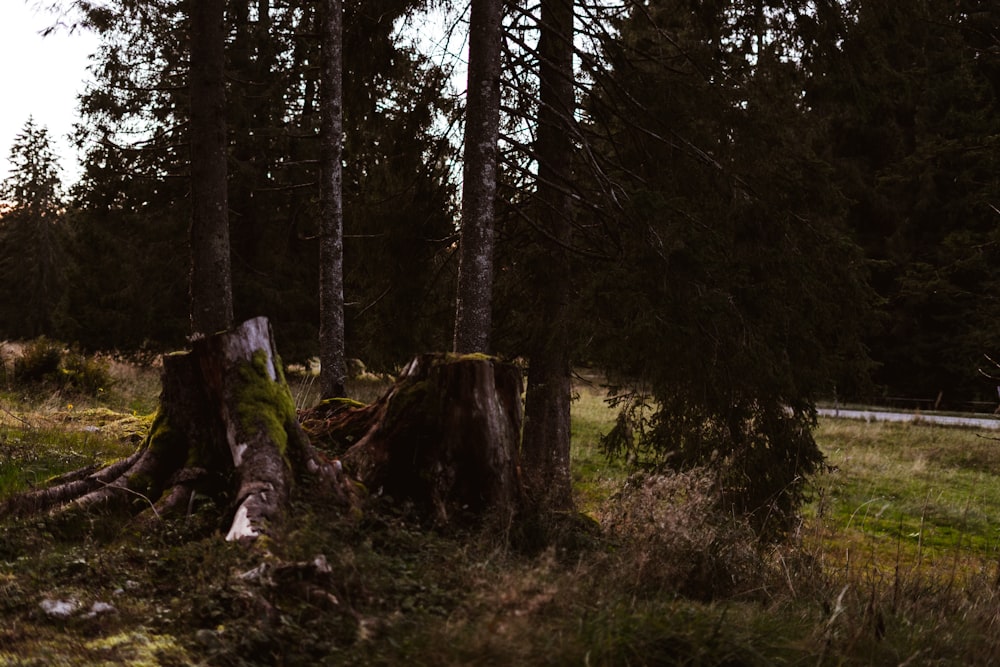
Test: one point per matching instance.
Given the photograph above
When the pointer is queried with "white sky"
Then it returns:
(40, 77)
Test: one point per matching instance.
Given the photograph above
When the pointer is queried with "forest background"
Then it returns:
(772, 201)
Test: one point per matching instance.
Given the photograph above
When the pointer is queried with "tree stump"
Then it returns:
(445, 436)
(226, 428)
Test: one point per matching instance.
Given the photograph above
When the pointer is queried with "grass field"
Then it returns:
(896, 561)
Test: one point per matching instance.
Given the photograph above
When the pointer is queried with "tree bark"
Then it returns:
(226, 429)
(444, 436)
(211, 279)
(546, 447)
(474, 299)
(333, 371)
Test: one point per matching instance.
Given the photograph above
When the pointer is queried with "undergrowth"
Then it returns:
(895, 562)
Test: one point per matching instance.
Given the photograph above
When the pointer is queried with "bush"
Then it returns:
(6, 373)
(47, 362)
(39, 362)
(761, 450)
(84, 374)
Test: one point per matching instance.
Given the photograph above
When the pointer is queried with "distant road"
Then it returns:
(887, 416)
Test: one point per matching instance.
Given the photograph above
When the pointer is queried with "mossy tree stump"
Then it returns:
(226, 429)
(445, 436)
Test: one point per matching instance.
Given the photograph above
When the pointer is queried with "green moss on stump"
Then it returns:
(164, 442)
(451, 357)
(265, 402)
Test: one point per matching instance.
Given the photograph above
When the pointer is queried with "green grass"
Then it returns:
(896, 561)
(305, 387)
(930, 488)
(59, 443)
(595, 478)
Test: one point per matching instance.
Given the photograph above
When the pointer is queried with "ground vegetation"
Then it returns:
(895, 560)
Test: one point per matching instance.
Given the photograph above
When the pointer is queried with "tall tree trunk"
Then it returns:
(545, 449)
(474, 300)
(331, 265)
(211, 280)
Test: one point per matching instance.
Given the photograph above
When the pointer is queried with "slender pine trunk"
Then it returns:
(546, 445)
(211, 278)
(331, 292)
(474, 300)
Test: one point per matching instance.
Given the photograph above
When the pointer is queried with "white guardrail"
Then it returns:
(989, 422)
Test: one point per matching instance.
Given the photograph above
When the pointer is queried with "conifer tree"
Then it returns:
(33, 262)
(211, 276)
(546, 445)
(736, 298)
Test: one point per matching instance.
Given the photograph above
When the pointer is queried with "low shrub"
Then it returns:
(39, 361)
(50, 363)
(86, 375)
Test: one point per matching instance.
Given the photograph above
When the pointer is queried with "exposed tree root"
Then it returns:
(226, 428)
(445, 436)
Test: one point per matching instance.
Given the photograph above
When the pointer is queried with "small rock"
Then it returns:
(59, 608)
(129, 586)
(99, 608)
(256, 573)
(321, 565)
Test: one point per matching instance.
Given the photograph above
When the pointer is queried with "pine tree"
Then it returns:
(331, 244)
(736, 298)
(33, 262)
(546, 445)
(211, 276)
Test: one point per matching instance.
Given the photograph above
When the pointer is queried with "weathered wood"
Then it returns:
(226, 429)
(445, 436)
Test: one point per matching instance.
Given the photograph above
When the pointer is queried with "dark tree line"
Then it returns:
(910, 100)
